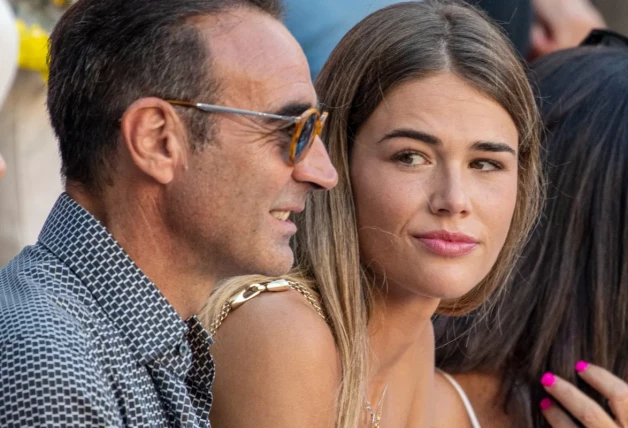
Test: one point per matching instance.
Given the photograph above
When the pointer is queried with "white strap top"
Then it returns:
(465, 400)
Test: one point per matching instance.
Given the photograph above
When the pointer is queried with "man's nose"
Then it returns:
(316, 168)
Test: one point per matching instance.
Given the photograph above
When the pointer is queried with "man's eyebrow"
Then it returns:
(293, 109)
(489, 146)
(412, 134)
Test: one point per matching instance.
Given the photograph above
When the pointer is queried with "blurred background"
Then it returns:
(616, 14)
(32, 181)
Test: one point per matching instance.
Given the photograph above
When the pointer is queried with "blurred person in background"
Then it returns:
(536, 27)
(8, 65)
(188, 132)
(561, 24)
(32, 182)
(560, 328)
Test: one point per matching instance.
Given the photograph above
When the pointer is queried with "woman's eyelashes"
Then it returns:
(413, 158)
(486, 165)
(410, 158)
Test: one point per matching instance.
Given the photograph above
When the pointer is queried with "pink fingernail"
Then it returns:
(581, 366)
(548, 379)
(546, 403)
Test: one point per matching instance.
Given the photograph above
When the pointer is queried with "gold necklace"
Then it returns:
(376, 416)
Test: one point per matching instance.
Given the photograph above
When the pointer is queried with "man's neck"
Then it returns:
(139, 229)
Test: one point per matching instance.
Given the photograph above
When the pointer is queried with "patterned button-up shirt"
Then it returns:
(86, 339)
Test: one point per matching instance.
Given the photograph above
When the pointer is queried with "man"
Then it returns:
(164, 198)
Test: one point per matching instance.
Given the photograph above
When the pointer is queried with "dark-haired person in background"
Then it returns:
(536, 27)
(165, 196)
(562, 322)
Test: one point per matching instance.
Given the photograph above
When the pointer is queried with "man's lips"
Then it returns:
(283, 213)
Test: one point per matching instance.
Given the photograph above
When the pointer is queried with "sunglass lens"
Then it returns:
(306, 137)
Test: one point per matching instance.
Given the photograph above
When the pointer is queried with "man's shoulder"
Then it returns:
(63, 362)
(39, 297)
(50, 372)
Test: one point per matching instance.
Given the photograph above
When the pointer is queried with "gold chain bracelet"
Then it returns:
(254, 290)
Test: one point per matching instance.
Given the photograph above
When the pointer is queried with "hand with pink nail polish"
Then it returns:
(580, 406)
(546, 403)
(548, 379)
(581, 366)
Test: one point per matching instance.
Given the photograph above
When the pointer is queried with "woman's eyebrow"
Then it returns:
(489, 146)
(412, 134)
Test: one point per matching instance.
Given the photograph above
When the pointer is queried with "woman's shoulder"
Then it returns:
(449, 408)
(271, 320)
(482, 393)
(278, 355)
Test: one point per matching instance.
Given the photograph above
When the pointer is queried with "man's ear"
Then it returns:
(155, 138)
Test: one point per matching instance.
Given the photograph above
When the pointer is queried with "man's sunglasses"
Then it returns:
(307, 126)
(605, 38)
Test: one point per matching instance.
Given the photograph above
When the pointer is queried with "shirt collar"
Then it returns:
(129, 299)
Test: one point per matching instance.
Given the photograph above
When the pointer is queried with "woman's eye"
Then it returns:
(486, 165)
(410, 158)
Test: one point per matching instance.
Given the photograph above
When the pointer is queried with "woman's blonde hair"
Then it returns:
(396, 44)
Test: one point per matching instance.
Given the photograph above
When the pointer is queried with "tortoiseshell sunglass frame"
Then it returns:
(297, 150)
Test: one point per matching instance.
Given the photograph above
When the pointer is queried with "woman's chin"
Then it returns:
(447, 288)
(450, 294)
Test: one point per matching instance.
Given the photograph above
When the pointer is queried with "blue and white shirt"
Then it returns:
(86, 339)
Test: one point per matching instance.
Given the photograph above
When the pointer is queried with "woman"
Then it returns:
(568, 302)
(433, 131)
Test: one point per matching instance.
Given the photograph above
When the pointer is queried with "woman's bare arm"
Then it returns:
(276, 366)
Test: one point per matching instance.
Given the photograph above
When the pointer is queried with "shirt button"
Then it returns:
(184, 348)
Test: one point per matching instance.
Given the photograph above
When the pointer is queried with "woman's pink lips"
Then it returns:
(447, 244)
